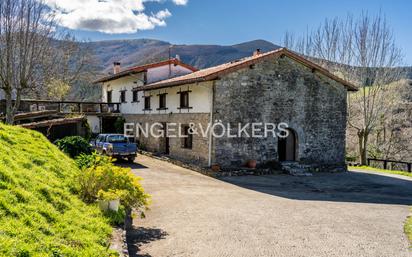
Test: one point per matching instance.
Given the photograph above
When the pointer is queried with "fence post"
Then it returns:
(385, 164)
(409, 167)
(369, 162)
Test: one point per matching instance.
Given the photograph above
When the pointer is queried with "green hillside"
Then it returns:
(39, 214)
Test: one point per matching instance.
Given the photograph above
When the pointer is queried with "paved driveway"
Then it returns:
(352, 214)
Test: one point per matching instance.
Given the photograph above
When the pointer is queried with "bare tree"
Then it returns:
(33, 52)
(363, 51)
(393, 134)
(25, 34)
(72, 64)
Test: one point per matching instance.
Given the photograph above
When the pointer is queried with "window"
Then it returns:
(162, 101)
(184, 99)
(187, 140)
(147, 103)
(123, 96)
(109, 96)
(117, 139)
(135, 93)
(100, 138)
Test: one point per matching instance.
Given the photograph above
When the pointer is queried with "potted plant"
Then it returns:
(109, 200)
(215, 167)
(251, 164)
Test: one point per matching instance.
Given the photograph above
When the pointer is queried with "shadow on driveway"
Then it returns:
(137, 237)
(350, 186)
(127, 164)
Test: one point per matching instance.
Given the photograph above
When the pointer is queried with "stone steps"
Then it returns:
(296, 169)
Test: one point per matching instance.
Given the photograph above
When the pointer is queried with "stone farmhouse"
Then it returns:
(273, 87)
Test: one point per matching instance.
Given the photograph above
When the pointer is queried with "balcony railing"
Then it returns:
(66, 107)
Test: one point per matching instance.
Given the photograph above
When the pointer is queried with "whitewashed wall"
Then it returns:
(124, 83)
(94, 123)
(199, 97)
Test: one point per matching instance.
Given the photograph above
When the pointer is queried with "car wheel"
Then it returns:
(131, 159)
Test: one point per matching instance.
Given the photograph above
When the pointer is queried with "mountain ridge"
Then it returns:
(131, 52)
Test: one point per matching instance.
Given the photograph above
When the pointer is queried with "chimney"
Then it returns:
(116, 67)
(256, 52)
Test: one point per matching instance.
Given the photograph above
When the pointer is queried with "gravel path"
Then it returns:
(353, 214)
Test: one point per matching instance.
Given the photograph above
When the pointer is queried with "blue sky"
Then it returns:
(234, 21)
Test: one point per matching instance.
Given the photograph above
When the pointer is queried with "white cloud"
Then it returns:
(108, 16)
(163, 14)
(180, 2)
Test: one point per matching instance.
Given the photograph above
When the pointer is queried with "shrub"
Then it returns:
(100, 179)
(88, 130)
(111, 194)
(74, 146)
(351, 156)
(108, 178)
(95, 159)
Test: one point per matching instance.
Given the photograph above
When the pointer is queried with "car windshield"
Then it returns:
(117, 139)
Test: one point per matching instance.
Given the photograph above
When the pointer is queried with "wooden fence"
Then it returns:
(395, 165)
(28, 105)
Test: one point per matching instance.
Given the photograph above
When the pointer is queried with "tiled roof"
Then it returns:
(137, 69)
(216, 71)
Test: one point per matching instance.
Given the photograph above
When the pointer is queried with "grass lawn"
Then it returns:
(40, 215)
(397, 172)
(408, 228)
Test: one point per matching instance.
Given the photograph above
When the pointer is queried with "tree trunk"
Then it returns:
(9, 108)
(363, 137)
(364, 155)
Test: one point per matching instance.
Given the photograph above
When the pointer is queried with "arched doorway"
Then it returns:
(287, 147)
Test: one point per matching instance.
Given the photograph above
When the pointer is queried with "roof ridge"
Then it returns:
(149, 64)
(143, 67)
(214, 71)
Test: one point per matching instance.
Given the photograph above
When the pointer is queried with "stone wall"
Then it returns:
(197, 155)
(281, 90)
